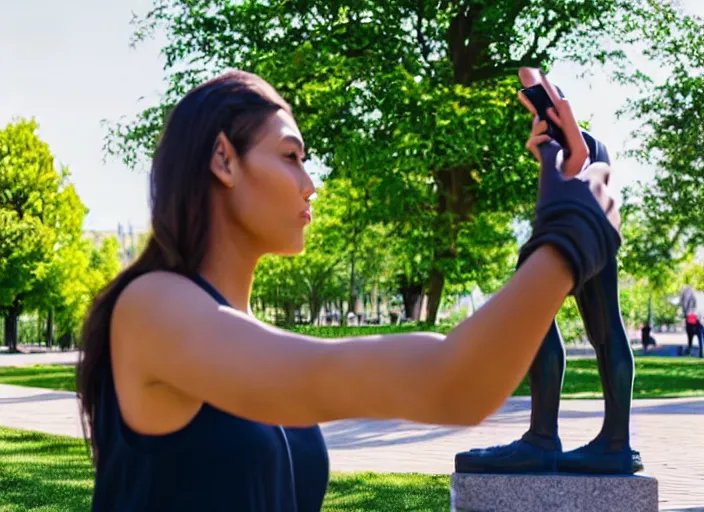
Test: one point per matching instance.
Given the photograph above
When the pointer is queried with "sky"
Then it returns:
(69, 65)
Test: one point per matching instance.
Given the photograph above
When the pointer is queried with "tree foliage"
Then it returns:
(670, 136)
(29, 197)
(413, 101)
(46, 264)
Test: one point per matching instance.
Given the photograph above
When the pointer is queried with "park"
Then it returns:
(425, 195)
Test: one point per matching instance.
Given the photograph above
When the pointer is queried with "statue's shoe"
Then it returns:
(521, 456)
(595, 458)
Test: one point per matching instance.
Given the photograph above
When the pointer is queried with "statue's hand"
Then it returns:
(597, 177)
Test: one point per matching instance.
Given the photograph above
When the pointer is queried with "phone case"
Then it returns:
(539, 98)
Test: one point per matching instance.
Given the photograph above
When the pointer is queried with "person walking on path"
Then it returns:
(692, 320)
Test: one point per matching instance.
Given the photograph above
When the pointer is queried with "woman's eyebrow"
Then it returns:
(295, 140)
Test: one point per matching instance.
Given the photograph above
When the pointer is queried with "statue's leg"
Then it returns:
(546, 375)
(610, 451)
(537, 450)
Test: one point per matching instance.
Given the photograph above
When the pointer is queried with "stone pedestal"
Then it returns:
(471, 492)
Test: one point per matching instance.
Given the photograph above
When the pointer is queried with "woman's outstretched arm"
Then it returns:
(166, 330)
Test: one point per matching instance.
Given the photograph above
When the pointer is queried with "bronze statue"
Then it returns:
(540, 449)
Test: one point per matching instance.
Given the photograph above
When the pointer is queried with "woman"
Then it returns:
(193, 404)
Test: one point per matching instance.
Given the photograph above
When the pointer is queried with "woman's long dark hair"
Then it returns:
(237, 104)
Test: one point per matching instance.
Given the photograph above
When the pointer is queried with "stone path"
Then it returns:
(54, 357)
(668, 432)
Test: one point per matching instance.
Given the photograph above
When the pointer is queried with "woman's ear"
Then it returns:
(224, 164)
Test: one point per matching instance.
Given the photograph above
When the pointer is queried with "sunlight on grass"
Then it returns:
(373, 491)
(46, 473)
(43, 473)
(57, 377)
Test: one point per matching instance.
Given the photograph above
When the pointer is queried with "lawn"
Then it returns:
(45, 473)
(656, 377)
(58, 377)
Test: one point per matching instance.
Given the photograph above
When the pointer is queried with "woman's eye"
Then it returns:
(292, 156)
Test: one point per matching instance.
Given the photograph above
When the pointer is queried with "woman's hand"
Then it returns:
(545, 149)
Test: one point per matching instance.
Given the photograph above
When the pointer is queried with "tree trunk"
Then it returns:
(50, 328)
(412, 296)
(377, 301)
(290, 312)
(351, 305)
(315, 306)
(11, 320)
(435, 287)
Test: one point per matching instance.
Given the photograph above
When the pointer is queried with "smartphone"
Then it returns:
(539, 98)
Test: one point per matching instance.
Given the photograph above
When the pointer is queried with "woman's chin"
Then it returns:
(293, 249)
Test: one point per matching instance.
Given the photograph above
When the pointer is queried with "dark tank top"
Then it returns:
(218, 462)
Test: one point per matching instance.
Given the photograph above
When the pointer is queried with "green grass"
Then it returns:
(44, 473)
(388, 492)
(58, 377)
(656, 377)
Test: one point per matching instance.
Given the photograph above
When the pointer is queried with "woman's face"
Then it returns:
(266, 193)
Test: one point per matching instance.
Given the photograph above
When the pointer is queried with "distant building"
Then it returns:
(128, 240)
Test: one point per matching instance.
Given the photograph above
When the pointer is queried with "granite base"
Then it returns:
(473, 492)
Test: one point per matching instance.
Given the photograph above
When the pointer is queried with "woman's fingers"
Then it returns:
(537, 140)
(534, 141)
(552, 91)
(554, 117)
(578, 149)
(529, 76)
(539, 128)
(529, 106)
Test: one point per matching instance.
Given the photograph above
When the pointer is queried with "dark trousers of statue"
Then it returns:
(540, 449)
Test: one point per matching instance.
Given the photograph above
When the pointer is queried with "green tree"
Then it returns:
(46, 264)
(692, 273)
(29, 195)
(317, 276)
(419, 95)
(651, 250)
(670, 136)
(81, 270)
(58, 287)
(104, 263)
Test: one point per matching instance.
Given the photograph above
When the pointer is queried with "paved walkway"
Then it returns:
(669, 434)
(32, 358)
